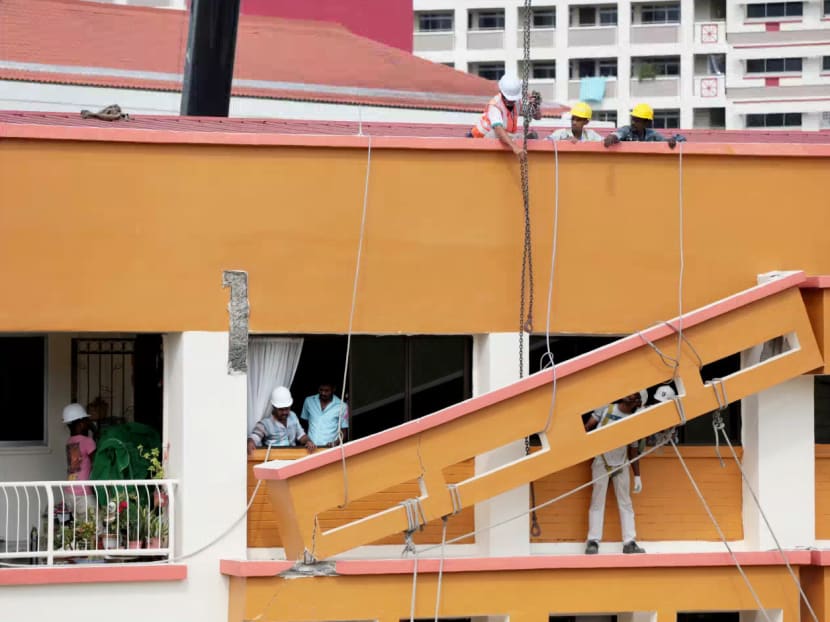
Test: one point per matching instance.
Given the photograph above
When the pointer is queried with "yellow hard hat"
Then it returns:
(643, 111)
(581, 110)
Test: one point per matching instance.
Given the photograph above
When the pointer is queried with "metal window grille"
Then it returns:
(435, 22)
(102, 378)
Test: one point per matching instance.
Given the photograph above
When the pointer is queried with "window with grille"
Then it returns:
(23, 391)
(663, 66)
(827, 7)
(488, 71)
(543, 70)
(435, 22)
(825, 63)
(774, 119)
(775, 9)
(544, 18)
(773, 65)
(592, 67)
(594, 16)
(666, 119)
(609, 116)
(660, 14)
(486, 20)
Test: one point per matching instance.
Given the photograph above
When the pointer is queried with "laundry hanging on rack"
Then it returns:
(592, 89)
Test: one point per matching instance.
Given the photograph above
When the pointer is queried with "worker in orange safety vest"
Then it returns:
(500, 118)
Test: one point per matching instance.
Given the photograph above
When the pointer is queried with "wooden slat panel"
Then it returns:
(667, 509)
(823, 492)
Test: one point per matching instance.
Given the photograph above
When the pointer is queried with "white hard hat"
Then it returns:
(74, 412)
(281, 398)
(664, 393)
(510, 87)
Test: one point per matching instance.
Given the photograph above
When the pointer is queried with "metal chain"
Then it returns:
(526, 319)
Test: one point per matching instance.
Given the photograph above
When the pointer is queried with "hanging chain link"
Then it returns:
(526, 294)
(526, 319)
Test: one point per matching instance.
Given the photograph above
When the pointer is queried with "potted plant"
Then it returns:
(157, 530)
(86, 532)
(111, 524)
(155, 470)
(133, 521)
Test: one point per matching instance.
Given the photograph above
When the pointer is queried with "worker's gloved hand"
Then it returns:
(638, 485)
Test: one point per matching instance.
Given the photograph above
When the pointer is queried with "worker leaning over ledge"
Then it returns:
(580, 117)
(500, 118)
(642, 117)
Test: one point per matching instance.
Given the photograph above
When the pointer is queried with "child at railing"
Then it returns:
(79, 453)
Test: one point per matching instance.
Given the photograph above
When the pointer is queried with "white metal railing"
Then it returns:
(101, 521)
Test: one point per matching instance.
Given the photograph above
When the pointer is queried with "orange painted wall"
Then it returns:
(667, 509)
(263, 530)
(134, 237)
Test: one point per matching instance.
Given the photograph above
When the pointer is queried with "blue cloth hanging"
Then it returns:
(592, 89)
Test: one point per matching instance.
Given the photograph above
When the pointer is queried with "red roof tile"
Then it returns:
(344, 128)
(77, 42)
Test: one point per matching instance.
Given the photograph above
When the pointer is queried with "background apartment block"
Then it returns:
(699, 63)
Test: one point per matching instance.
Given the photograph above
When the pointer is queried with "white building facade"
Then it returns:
(700, 63)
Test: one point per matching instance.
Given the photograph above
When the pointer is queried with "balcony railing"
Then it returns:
(485, 39)
(710, 33)
(662, 86)
(592, 35)
(655, 33)
(539, 37)
(105, 521)
(433, 41)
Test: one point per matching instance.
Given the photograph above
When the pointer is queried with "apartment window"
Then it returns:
(543, 70)
(666, 119)
(774, 119)
(592, 67)
(657, 66)
(450, 65)
(544, 18)
(775, 9)
(609, 116)
(594, 16)
(660, 14)
(22, 390)
(486, 20)
(827, 7)
(825, 63)
(488, 71)
(825, 120)
(773, 65)
(435, 22)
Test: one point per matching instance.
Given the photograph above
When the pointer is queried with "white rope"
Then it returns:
(722, 431)
(554, 244)
(414, 583)
(342, 412)
(720, 531)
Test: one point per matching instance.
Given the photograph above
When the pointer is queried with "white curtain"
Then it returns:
(272, 362)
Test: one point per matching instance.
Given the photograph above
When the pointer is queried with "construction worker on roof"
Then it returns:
(500, 118)
(640, 130)
(613, 465)
(580, 117)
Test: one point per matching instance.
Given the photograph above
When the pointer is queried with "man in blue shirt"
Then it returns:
(642, 116)
(326, 415)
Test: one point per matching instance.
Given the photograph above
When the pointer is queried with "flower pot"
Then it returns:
(160, 499)
(153, 543)
(134, 544)
(109, 541)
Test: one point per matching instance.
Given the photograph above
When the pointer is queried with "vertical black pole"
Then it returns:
(208, 65)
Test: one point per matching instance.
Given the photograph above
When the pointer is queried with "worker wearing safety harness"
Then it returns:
(614, 466)
(642, 118)
(500, 118)
(580, 117)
